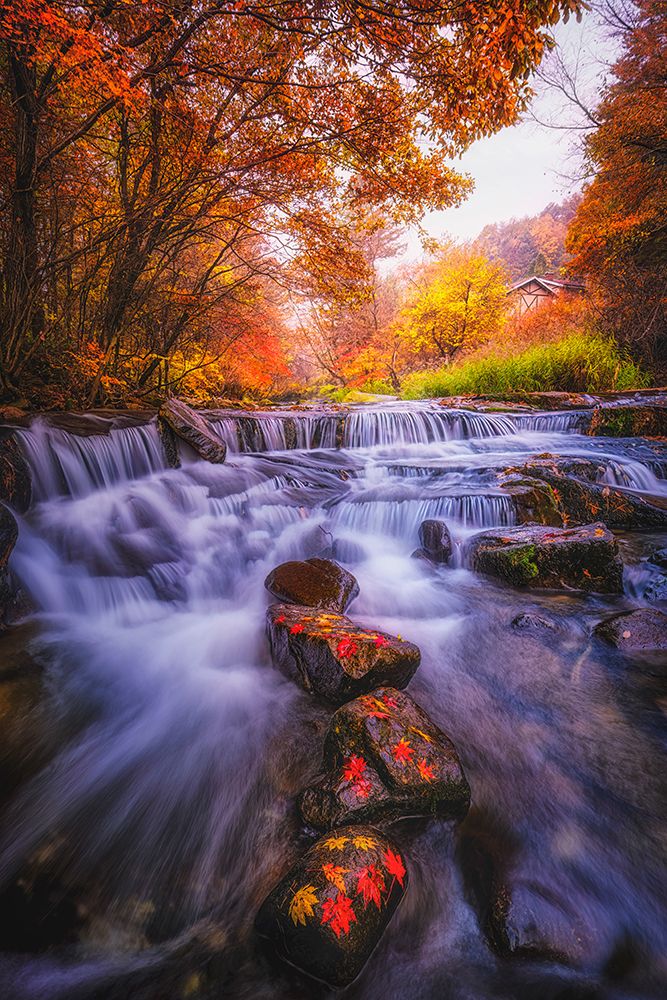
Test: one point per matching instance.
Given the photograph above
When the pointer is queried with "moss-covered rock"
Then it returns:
(630, 631)
(629, 421)
(315, 583)
(331, 656)
(328, 913)
(584, 558)
(386, 760)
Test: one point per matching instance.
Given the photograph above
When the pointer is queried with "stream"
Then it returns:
(166, 812)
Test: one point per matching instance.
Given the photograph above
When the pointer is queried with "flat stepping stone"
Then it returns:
(188, 425)
(328, 913)
(386, 760)
(635, 630)
(584, 558)
(315, 583)
(331, 656)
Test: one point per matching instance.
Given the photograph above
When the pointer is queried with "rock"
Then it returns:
(387, 760)
(328, 913)
(575, 500)
(169, 444)
(15, 484)
(656, 592)
(659, 558)
(635, 630)
(629, 421)
(435, 540)
(528, 622)
(187, 424)
(331, 656)
(314, 583)
(534, 502)
(584, 558)
(9, 532)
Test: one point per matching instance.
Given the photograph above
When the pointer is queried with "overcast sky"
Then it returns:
(521, 169)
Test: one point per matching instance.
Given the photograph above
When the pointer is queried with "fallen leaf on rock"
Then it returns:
(302, 904)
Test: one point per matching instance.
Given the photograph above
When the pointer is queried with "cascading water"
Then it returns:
(166, 807)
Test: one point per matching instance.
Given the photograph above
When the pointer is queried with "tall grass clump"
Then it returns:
(578, 363)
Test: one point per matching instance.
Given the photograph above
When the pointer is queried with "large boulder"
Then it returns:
(15, 484)
(563, 493)
(436, 542)
(629, 421)
(584, 558)
(631, 631)
(314, 583)
(188, 425)
(331, 656)
(386, 760)
(328, 913)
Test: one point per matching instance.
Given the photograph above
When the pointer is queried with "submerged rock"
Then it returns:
(333, 657)
(645, 628)
(656, 592)
(529, 622)
(387, 760)
(435, 540)
(187, 424)
(328, 913)
(584, 558)
(314, 583)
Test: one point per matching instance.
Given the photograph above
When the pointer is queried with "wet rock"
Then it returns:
(528, 622)
(331, 656)
(629, 421)
(574, 499)
(314, 583)
(584, 558)
(169, 444)
(386, 760)
(8, 597)
(328, 913)
(534, 502)
(656, 592)
(659, 558)
(15, 483)
(187, 424)
(635, 630)
(435, 540)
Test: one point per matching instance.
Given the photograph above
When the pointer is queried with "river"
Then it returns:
(167, 812)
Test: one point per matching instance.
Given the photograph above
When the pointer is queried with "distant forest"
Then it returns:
(534, 244)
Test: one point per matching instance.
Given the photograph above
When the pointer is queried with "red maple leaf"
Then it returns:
(374, 707)
(339, 914)
(346, 647)
(295, 629)
(380, 641)
(353, 768)
(425, 769)
(280, 619)
(362, 788)
(370, 884)
(403, 752)
(389, 701)
(395, 866)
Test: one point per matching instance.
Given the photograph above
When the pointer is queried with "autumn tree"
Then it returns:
(618, 237)
(456, 303)
(221, 142)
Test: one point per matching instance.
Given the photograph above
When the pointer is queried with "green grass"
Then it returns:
(578, 363)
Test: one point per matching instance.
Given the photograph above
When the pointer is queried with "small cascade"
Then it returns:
(64, 464)
(401, 518)
(561, 422)
(370, 428)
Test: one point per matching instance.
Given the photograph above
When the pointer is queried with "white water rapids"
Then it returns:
(169, 803)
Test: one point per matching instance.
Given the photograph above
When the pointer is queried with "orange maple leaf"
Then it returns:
(403, 752)
(339, 913)
(425, 770)
(334, 874)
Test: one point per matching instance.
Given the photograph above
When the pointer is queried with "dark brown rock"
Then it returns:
(328, 913)
(386, 760)
(331, 656)
(314, 583)
(187, 424)
(435, 540)
(584, 558)
(15, 484)
(635, 630)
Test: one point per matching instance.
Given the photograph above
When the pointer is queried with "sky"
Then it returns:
(522, 168)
